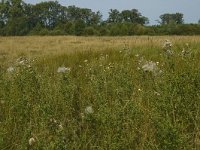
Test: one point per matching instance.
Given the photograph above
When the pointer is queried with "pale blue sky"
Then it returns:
(149, 8)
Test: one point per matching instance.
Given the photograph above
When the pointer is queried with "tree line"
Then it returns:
(51, 18)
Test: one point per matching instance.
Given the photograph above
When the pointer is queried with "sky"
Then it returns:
(149, 8)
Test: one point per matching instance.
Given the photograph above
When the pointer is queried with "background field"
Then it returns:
(54, 45)
(67, 92)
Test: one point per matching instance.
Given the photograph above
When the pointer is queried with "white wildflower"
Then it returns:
(22, 60)
(137, 55)
(31, 141)
(82, 115)
(52, 120)
(60, 127)
(169, 52)
(150, 66)
(156, 93)
(85, 61)
(63, 69)
(168, 48)
(167, 44)
(10, 69)
(186, 51)
(89, 110)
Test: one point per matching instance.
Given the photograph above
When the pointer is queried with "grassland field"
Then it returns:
(104, 93)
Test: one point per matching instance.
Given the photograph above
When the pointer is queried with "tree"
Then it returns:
(4, 13)
(176, 18)
(114, 16)
(96, 18)
(49, 14)
(132, 16)
(79, 27)
(16, 18)
(86, 15)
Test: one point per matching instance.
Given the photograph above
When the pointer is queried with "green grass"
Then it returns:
(105, 101)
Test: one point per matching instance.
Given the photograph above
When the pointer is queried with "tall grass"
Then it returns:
(125, 97)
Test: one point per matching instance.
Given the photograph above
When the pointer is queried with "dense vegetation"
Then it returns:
(142, 97)
(51, 18)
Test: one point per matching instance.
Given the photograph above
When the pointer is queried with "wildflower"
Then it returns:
(139, 90)
(63, 69)
(89, 110)
(137, 55)
(52, 120)
(60, 127)
(150, 66)
(167, 44)
(21, 60)
(156, 93)
(85, 61)
(10, 69)
(82, 115)
(31, 141)
(186, 51)
(168, 48)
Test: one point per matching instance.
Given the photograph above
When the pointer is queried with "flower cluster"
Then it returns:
(150, 66)
(63, 69)
(167, 47)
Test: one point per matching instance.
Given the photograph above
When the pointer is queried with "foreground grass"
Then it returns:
(127, 98)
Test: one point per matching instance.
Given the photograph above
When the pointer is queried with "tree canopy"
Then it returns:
(51, 18)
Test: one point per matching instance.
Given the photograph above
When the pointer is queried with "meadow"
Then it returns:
(113, 93)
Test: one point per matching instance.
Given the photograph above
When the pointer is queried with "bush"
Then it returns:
(90, 31)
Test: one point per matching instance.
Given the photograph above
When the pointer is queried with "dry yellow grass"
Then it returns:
(34, 46)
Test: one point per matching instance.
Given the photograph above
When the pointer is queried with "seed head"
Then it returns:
(89, 110)
(10, 69)
(31, 141)
(63, 69)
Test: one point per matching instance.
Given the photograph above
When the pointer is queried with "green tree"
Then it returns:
(49, 14)
(114, 16)
(86, 15)
(176, 18)
(79, 27)
(4, 13)
(17, 19)
(133, 16)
